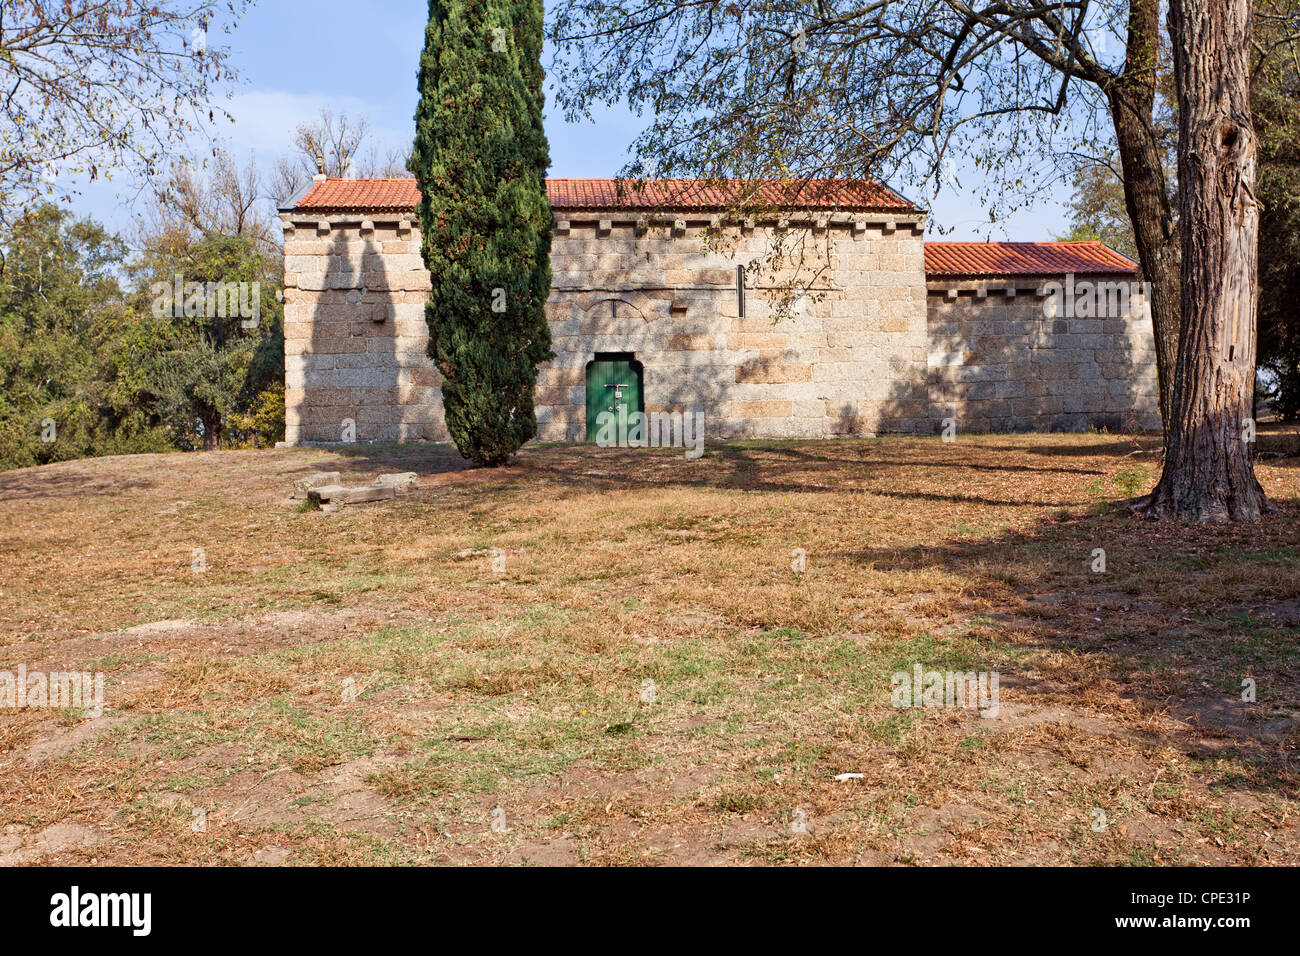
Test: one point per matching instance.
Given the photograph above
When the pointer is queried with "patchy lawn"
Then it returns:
(523, 698)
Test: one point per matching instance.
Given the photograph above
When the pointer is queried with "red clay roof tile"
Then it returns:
(401, 195)
(690, 194)
(979, 260)
(361, 195)
(943, 260)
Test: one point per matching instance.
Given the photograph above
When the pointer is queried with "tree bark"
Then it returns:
(1209, 472)
(1146, 190)
(212, 432)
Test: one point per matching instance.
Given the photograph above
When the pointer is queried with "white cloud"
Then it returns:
(265, 120)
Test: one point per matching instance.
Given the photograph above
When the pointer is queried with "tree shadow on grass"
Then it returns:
(857, 450)
(829, 467)
(364, 461)
(68, 480)
(1278, 445)
(1178, 620)
(1145, 444)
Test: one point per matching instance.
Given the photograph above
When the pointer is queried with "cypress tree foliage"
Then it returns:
(480, 158)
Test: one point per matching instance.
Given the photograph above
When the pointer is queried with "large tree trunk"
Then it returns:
(1146, 191)
(211, 431)
(1209, 472)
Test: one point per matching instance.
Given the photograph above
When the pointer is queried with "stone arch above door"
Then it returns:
(613, 307)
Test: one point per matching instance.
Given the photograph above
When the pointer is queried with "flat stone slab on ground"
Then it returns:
(321, 479)
(326, 493)
(402, 481)
(338, 495)
(357, 496)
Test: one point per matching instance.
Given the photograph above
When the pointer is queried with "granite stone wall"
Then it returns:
(847, 356)
(866, 347)
(355, 335)
(1042, 353)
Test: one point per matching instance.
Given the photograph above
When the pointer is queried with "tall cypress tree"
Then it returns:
(480, 159)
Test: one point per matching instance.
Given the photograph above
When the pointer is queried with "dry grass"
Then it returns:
(228, 690)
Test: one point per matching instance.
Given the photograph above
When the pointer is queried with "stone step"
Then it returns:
(338, 495)
(322, 479)
(357, 496)
(326, 494)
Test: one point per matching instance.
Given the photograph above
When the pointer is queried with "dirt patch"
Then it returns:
(66, 741)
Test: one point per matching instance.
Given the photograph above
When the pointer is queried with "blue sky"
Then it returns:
(360, 57)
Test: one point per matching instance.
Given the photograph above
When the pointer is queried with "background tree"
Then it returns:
(202, 374)
(216, 197)
(1099, 204)
(90, 85)
(61, 312)
(338, 146)
(1097, 208)
(210, 222)
(480, 159)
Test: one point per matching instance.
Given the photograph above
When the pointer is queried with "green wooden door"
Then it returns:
(613, 385)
